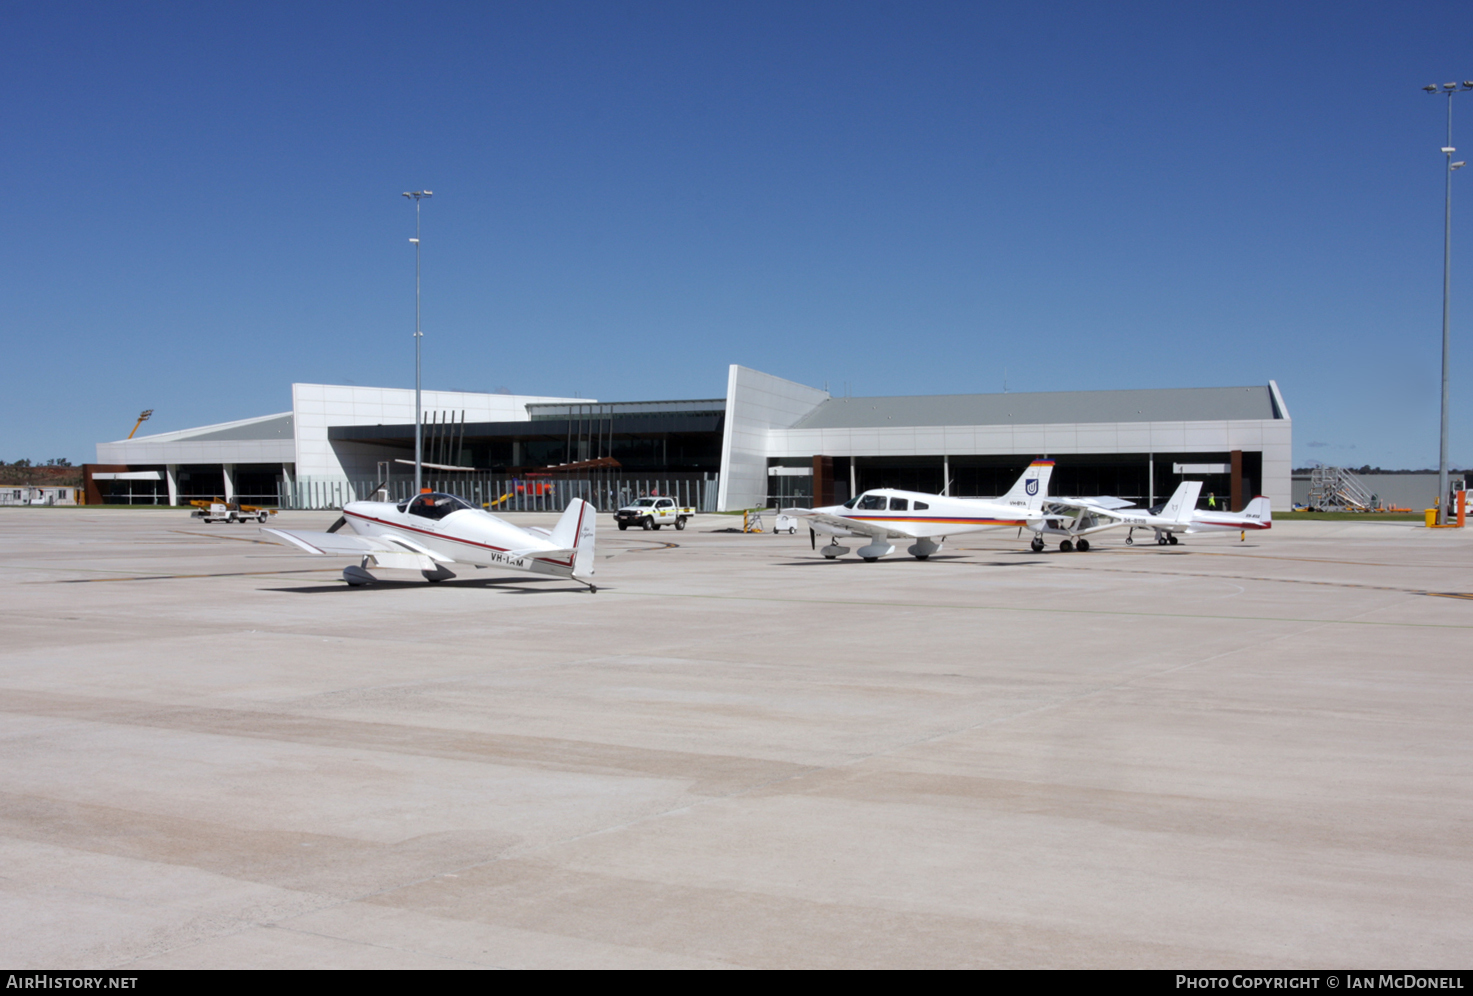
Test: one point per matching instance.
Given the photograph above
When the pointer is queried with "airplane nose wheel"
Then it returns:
(1160, 540)
(1037, 544)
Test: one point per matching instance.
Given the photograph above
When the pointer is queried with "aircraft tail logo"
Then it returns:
(1183, 501)
(1030, 489)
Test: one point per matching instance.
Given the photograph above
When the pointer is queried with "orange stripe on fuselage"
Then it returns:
(941, 520)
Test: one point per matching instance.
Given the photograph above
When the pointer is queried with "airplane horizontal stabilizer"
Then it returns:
(330, 544)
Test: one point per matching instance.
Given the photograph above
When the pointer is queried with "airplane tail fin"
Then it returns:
(1260, 510)
(1032, 487)
(575, 531)
(1183, 502)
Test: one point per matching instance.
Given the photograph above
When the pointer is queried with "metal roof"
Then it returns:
(1176, 404)
(262, 427)
(275, 427)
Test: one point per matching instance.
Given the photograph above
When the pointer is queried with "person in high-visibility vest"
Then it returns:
(1211, 499)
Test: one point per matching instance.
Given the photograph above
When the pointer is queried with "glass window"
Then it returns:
(851, 502)
(437, 506)
(899, 504)
(921, 506)
(872, 503)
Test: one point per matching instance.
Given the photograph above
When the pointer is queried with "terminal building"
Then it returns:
(768, 442)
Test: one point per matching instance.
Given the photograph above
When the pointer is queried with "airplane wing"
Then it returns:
(879, 529)
(1106, 501)
(386, 551)
(1089, 505)
(330, 544)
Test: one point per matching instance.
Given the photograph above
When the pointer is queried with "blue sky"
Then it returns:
(203, 205)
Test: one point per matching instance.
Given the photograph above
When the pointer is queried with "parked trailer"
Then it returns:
(220, 510)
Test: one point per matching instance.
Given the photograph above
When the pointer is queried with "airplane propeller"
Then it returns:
(812, 538)
(342, 521)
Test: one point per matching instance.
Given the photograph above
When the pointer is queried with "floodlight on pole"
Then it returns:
(1447, 255)
(417, 196)
(144, 417)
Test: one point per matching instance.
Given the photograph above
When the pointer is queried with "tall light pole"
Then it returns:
(1447, 256)
(417, 196)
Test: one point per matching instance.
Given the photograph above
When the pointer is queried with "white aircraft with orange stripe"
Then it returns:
(886, 514)
(437, 529)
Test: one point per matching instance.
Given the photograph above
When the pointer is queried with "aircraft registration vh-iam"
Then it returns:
(435, 529)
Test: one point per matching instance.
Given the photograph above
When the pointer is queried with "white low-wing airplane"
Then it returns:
(1178, 515)
(437, 529)
(886, 513)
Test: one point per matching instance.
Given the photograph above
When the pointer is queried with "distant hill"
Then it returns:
(41, 477)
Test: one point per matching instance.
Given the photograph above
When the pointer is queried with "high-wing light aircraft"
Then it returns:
(436, 529)
(885, 514)
(1178, 515)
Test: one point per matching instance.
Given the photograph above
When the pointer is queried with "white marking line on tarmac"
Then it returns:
(872, 604)
(1241, 577)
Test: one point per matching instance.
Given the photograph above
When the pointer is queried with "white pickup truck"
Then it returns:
(652, 513)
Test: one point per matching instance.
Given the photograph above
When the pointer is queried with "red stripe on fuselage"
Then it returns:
(425, 532)
(484, 546)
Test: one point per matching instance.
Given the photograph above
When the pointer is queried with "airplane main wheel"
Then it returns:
(922, 556)
(830, 556)
(1160, 540)
(1037, 544)
(1083, 546)
(870, 560)
(1171, 539)
(1066, 547)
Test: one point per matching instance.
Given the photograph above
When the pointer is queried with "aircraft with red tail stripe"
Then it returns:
(435, 529)
(886, 514)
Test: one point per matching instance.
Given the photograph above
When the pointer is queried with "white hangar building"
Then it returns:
(770, 441)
